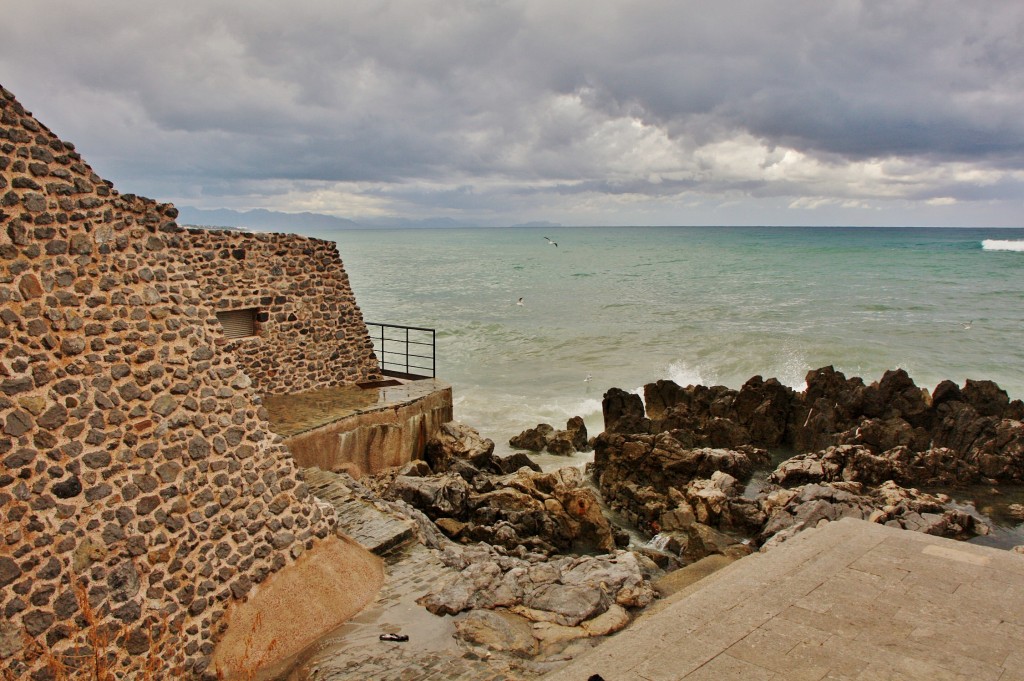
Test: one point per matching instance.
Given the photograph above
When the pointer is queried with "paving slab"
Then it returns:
(849, 600)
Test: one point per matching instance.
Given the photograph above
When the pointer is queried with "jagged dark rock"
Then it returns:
(545, 512)
(544, 437)
(682, 463)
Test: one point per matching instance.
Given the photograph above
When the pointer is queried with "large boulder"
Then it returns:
(569, 603)
(624, 412)
(577, 431)
(457, 440)
(899, 397)
(764, 407)
(510, 463)
(438, 496)
(987, 398)
(533, 439)
(498, 630)
(560, 442)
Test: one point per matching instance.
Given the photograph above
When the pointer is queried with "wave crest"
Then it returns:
(1002, 245)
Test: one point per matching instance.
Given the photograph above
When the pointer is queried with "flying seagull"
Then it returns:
(967, 325)
(551, 242)
(519, 302)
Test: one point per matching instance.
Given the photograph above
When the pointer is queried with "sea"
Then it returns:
(625, 306)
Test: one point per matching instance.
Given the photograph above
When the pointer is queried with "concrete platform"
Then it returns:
(851, 600)
(360, 430)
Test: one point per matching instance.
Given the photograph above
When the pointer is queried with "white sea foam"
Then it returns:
(1002, 245)
(683, 375)
(584, 407)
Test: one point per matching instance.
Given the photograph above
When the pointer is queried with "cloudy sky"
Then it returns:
(579, 112)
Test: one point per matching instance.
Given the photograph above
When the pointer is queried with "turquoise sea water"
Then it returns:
(628, 306)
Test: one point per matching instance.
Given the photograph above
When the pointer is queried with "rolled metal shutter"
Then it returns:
(238, 323)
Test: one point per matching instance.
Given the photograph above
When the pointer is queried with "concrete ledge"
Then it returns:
(390, 430)
(296, 606)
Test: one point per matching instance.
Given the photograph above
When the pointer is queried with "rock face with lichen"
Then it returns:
(141, 491)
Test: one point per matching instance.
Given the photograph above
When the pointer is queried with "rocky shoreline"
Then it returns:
(533, 572)
(680, 464)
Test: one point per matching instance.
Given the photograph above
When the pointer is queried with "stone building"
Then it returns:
(286, 302)
(144, 500)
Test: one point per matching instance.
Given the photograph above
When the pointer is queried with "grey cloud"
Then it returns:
(523, 98)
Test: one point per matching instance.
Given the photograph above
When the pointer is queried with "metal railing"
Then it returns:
(404, 351)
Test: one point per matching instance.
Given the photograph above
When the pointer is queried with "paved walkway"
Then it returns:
(852, 600)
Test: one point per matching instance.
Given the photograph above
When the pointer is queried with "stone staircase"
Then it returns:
(361, 515)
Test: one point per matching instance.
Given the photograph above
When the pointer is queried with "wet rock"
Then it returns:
(763, 407)
(901, 398)
(636, 473)
(624, 412)
(577, 431)
(515, 461)
(416, 469)
(564, 591)
(498, 630)
(570, 603)
(619, 574)
(881, 435)
(791, 511)
(457, 440)
(437, 496)
(559, 442)
(474, 587)
(849, 463)
(540, 511)
(987, 398)
(533, 439)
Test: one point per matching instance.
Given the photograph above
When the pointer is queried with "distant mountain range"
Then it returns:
(268, 220)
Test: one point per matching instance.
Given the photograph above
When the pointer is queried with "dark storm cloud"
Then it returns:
(475, 107)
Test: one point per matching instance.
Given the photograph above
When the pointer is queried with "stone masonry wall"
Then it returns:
(314, 335)
(135, 469)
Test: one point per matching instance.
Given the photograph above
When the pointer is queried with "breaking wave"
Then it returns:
(1002, 245)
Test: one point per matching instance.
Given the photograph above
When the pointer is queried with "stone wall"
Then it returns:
(138, 481)
(313, 335)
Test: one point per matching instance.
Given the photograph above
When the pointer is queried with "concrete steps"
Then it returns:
(360, 516)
